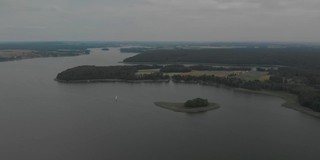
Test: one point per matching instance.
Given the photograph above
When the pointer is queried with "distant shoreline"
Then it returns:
(22, 56)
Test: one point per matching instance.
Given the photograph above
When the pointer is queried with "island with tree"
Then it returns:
(190, 106)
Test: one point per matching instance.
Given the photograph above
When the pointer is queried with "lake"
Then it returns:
(41, 119)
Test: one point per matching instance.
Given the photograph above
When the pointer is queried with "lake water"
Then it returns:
(41, 119)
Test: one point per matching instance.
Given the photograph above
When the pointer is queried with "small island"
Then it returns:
(191, 106)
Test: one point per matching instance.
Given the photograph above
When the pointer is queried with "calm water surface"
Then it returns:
(44, 120)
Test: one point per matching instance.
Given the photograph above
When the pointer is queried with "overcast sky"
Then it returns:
(160, 20)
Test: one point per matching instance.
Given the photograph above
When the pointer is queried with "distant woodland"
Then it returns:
(134, 49)
(108, 72)
(22, 50)
(235, 56)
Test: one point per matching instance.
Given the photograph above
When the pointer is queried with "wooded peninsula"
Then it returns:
(298, 70)
(109, 74)
(288, 70)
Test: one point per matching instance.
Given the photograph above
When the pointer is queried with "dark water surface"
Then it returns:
(44, 120)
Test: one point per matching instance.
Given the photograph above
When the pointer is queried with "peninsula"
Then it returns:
(110, 74)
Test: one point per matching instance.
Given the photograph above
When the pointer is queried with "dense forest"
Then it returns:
(121, 72)
(235, 56)
(107, 72)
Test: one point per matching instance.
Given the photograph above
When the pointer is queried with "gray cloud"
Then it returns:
(187, 20)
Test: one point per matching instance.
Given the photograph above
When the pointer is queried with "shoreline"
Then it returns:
(38, 57)
(113, 80)
(291, 100)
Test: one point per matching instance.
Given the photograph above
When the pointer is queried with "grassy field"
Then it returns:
(16, 54)
(147, 71)
(215, 73)
(254, 75)
(245, 75)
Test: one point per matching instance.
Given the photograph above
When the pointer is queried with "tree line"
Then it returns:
(235, 56)
(107, 72)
